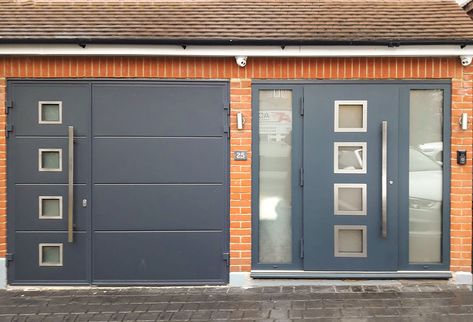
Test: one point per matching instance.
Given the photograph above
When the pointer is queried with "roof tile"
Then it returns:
(235, 21)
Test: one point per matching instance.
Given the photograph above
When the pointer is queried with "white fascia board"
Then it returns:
(231, 51)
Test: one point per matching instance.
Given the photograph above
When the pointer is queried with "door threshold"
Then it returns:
(350, 274)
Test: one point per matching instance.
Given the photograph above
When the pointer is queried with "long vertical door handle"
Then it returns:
(384, 179)
(70, 186)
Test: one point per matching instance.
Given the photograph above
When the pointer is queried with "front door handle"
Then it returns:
(384, 179)
(70, 186)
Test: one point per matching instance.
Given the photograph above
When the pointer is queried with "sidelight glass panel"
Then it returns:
(50, 254)
(50, 112)
(425, 176)
(275, 196)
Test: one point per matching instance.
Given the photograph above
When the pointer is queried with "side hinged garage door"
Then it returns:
(150, 182)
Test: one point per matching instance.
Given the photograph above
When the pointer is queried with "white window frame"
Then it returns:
(40, 250)
(336, 188)
(363, 169)
(364, 105)
(364, 230)
(40, 160)
(40, 109)
(41, 198)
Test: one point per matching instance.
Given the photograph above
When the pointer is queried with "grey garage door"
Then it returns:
(150, 186)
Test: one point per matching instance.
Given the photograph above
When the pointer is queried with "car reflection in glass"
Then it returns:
(425, 205)
(350, 158)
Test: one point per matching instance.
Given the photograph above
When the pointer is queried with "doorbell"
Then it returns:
(461, 157)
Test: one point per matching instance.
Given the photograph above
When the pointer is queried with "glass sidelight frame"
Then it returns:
(404, 136)
(402, 218)
(296, 165)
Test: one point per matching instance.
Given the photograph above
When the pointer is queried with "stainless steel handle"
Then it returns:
(70, 186)
(384, 179)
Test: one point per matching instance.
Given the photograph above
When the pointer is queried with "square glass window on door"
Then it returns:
(350, 116)
(350, 157)
(50, 112)
(50, 159)
(349, 199)
(50, 207)
(50, 254)
(350, 241)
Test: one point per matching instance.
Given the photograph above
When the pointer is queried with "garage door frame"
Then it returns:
(11, 247)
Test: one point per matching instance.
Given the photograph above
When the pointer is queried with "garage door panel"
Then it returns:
(158, 207)
(158, 160)
(150, 199)
(75, 106)
(158, 109)
(27, 204)
(26, 156)
(27, 263)
(168, 257)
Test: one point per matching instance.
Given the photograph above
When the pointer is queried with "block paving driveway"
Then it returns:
(424, 301)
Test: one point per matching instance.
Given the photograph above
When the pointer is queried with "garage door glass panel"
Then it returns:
(275, 197)
(50, 254)
(50, 160)
(425, 175)
(50, 112)
(50, 207)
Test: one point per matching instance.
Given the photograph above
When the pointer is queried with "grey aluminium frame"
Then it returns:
(444, 265)
(11, 242)
(297, 244)
(415, 270)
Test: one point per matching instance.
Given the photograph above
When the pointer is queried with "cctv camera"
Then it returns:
(466, 60)
(241, 60)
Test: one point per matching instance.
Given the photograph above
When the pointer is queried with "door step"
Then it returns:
(350, 274)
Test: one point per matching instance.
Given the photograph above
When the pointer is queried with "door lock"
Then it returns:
(84, 203)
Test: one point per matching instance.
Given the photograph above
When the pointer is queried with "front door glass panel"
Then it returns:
(425, 175)
(275, 197)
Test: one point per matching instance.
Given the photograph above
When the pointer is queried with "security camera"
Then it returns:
(466, 60)
(241, 60)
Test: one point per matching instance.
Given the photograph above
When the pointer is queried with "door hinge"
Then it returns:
(8, 129)
(9, 258)
(301, 177)
(226, 126)
(301, 242)
(226, 107)
(301, 106)
(8, 106)
(226, 258)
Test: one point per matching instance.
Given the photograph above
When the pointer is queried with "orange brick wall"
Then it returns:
(240, 91)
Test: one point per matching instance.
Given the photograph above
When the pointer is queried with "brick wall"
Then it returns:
(240, 87)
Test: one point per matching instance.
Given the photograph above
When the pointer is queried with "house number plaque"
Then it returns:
(240, 155)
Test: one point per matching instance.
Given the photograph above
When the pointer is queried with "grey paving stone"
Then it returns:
(401, 302)
(278, 314)
(148, 316)
(181, 316)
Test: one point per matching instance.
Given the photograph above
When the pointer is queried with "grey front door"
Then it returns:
(343, 201)
(150, 182)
